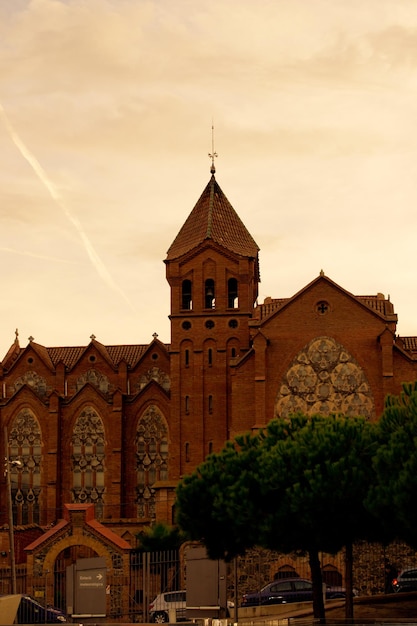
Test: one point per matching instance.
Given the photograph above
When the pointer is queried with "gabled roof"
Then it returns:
(378, 304)
(12, 353)
(131, 354)
(213, 218)
(69, 356)
(15, 352)
(42, 352)
(408, 346)
(89, 521)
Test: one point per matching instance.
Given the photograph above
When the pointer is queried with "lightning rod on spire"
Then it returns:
(212, 154)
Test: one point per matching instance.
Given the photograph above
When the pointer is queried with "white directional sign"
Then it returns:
(89, 588)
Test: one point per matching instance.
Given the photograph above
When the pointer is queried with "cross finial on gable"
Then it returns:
(92, 337)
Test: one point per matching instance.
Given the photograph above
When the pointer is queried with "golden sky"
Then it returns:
(106, 108)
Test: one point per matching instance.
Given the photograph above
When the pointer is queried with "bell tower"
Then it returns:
(212, 268)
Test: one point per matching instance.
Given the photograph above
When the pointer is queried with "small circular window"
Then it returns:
(233, 323)
(92, 358)
(322, 307)
(154, 356)
(209, 324)
(186, 325)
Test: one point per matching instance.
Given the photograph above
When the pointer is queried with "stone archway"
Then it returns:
(68, 556)
(78, 535)
(48, 566)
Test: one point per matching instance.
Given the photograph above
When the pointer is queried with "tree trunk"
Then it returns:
(317, 580)
(349, 581)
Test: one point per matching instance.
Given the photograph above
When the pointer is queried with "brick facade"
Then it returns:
(156, 410)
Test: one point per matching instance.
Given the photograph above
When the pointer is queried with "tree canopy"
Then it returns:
(160, 537)
(219, 503)
(392, 497)
(298, 485)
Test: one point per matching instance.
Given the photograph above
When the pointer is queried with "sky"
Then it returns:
(106, 115)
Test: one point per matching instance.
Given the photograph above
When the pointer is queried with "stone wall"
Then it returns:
(259, 567)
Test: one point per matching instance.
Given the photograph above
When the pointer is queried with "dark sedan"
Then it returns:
(406, 580)
(288, 590)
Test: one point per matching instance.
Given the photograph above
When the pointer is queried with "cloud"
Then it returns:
(313, 105)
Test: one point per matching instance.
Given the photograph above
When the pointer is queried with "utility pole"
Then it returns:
(7, 465)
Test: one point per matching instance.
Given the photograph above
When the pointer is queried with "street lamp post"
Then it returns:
(7, 465)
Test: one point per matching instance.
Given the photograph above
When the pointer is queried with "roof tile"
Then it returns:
(214, 218)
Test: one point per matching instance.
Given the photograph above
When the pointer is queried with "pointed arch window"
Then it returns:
(151, 459)
(187, 295)
(25, 446)
(209, 294)
(88, 456)
(232, 293)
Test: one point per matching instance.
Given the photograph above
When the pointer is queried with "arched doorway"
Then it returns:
(67, 557)
(78, 537)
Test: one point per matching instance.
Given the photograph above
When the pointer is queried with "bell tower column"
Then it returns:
(212, 269)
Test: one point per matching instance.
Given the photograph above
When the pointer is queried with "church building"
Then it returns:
(118, 426)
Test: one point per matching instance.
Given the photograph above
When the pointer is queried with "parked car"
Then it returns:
(159, 609)
(289, 590)
(406, 580)
(31, 612)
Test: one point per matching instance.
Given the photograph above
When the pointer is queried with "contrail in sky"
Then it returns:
(41, 174)
(38, 256)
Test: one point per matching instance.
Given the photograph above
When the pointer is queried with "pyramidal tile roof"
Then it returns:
(213, 218)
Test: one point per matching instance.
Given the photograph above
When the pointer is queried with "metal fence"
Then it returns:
(154, 573)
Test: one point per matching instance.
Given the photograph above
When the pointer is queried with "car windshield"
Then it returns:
(33, 601)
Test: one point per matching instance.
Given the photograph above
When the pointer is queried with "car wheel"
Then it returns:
(160, 618)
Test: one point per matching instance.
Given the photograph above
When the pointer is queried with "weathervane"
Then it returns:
(212, 154)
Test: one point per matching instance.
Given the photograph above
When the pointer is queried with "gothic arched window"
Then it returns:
(209, 294)
(25, 446)
(232, 293)
(187, 295)
(151, 459)
(88, 454)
